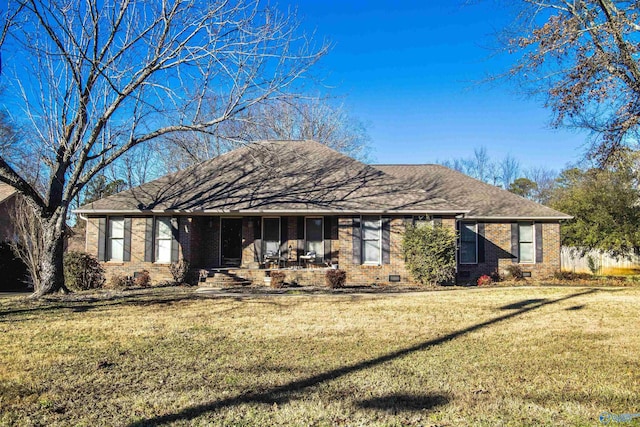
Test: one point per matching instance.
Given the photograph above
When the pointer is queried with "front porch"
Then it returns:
(260, 243)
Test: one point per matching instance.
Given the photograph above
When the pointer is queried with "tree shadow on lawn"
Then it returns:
(395, 403)
(284, 393)
(91, 303)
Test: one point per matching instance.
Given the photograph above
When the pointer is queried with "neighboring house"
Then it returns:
(8, 197)
(302, 204)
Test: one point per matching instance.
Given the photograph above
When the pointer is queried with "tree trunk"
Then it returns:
(51, 274)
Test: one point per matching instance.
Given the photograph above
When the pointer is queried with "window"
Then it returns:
(526, 242)
(420, 220)
(116, 239)
(271, 235)
(313, 237)
(371, 239)
(468, 243)
(164, 238)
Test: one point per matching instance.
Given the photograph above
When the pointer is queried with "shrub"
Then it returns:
(430, 252)
(484, 280)
(82, 271)
(120, 281)
(335, 278)
(277, 279)
(179, 271)
(514, 271)
(142, 279)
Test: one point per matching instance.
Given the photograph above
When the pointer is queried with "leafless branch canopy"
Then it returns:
(95, 79)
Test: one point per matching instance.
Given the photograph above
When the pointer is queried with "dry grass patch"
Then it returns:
(524, 356)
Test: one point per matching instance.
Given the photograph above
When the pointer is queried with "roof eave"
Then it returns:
(520, 218)
(270, 211)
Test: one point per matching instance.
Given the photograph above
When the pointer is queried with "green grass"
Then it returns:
(496, 356)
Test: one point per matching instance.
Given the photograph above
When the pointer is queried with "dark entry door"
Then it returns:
(231, 249)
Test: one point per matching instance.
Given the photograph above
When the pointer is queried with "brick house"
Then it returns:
(301, 206)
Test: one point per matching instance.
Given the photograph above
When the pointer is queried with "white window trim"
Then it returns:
(362, 240)
(533, 241)
(156, 239)
(475, 230)
(110, 238)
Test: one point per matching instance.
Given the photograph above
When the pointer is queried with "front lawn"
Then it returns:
(509, 356)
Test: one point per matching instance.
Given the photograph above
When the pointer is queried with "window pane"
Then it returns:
(468, 232)
(163, 227)
(271, 229)
(271, 248)
(317, 247)
(468, 253)
(117, 249)
(117, 228)
(526, 232)
(164, 251)
(371, 249)
(314, 229)
(526, 252)
(370, 228)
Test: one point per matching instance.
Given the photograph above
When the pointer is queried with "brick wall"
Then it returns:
(158, 272)
(200, 237)
(372, 274)
(498, 253)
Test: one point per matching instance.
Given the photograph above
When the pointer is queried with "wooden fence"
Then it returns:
(603, 263)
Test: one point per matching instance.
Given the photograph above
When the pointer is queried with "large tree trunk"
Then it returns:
(51, 275)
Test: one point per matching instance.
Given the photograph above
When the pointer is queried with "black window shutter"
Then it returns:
(515, 240)
(386, 240)
(102, 239)
(539, 243)
(481, 242)
(175, 234)
(127, 240)
(148, 240)
(357, 250)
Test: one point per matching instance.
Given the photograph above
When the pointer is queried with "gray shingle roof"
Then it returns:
(483, 200)
(6, 191)
(277, 176)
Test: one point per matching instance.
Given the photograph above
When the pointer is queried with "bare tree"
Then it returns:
(545, 182)
(509, 170)
(96, 79)
(582, 56)
(28, 240)
(293, 118)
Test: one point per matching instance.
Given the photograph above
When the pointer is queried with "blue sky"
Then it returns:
(412, 71)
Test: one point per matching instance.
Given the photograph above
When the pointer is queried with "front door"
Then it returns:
(231, 242)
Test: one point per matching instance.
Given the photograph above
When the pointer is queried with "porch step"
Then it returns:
(224, 279)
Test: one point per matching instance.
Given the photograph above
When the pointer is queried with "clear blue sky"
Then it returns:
(411, 70)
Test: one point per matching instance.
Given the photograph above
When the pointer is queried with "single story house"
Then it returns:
(303, 206)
